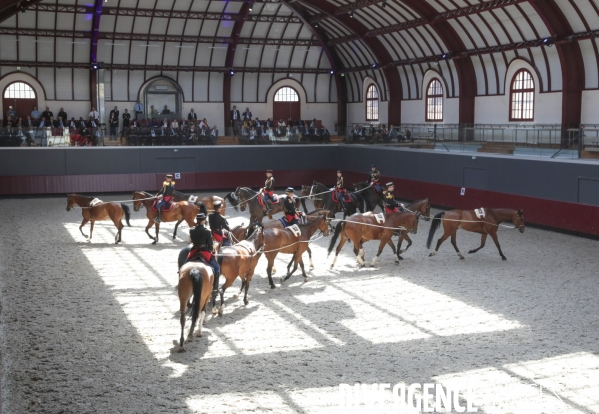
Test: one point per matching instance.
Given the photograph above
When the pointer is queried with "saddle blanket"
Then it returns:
(192, 199)
(275, 199)
(167, 207)
(95, 202)
(295, 230)
(380, 218)
(346, 197)
(480, 213)
(285, 223)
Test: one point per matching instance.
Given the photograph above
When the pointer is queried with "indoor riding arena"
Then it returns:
(461, 136)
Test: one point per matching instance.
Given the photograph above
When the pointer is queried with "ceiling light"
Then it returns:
(384, 3)
(351, 14)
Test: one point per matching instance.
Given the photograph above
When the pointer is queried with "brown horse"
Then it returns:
(100, 211)
(468, 220)
(207, 201)
(240, 260)
(179, 211)
(361, 228)
(284, 241)
(195, 278)
(422, 208)
(316, 201)
(248, 198)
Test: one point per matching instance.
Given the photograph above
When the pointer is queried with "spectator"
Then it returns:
(153, 111)
(213, 135)
(93, 114)
(164, 123)
(113, 121)
(192, 116)
(126, 120)
(175, 124)
(139, 108)
(35, 115)
(10, 112)
(247, 115)
(62, 114)
(47, 113)
(392, 135)
(29, 122)
(165, 110)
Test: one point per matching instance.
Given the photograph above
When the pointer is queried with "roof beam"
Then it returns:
(76, 65)
(170, 14)
(438, 18)
(10, 7)
(157, 38)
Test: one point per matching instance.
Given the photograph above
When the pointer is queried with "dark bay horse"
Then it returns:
(316, 201)
(205, 204)
(467, 220)
(179, 211)
(100, 211)
(240, 260)
(361, 228)
(195, 278)
(322, 191)
(284, 241)
(249, 199)
(371, 197)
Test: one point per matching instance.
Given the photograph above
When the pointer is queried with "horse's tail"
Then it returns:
(232, 198)
(338, 228)
(434, 225)
(196, 281)
(361, 201)
(125, 208)
(202, 207)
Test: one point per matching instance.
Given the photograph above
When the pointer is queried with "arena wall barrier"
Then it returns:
(562, 194)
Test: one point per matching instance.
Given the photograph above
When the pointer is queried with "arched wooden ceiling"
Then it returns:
(392, 41)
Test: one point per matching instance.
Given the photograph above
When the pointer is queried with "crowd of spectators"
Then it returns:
(376, 134)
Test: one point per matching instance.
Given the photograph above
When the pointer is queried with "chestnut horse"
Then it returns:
(361, 228)
(179, 211)
(468, 220)
(207, 201)
(284, 241)
(248, 198)
(316, 201)
(195, 278)
(422, 208)
(240, 260)
(100, 211)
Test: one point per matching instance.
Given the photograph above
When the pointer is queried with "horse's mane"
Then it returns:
(309, 222)
(316, 211)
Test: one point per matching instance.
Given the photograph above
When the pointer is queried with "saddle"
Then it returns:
(346, 197)
(95, 202)
(380, 218)
(275, 199)
(480, 213)
(295, 230)
(167, 207)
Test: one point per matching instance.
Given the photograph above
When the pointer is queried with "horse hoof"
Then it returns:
(306, 279)
(399, 258)
(503, 258)
(245, 302)
(220, 312)
(154, 242)
(235, 297)
(273, 287)
(214, 310)
(174, 237)
(181, 349)
(431, 254)
(282, 280)
(470, 251)
(462, 257)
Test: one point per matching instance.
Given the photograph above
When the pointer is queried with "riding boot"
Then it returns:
(158, 218)
(215, 289)
(345, 210)
(268, 207)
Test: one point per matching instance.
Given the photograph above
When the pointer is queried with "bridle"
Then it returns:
(520, 226)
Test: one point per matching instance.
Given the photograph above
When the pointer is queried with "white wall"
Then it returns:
(496, 109)
(326, 112)
(590, 105)
(414, 111)
(356, 111)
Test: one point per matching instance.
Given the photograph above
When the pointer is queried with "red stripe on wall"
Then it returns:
(552, 213)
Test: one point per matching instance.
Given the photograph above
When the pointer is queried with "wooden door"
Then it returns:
(23, 107)
(286, 110)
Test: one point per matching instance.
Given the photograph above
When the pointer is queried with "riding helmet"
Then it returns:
(389, 184)
(200, 216)
(169, 176)
(217, 204)
(289, 190)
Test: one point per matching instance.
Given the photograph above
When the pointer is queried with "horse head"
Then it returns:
(324, 226)
(518, 220)
(137, 196)
(70, 202)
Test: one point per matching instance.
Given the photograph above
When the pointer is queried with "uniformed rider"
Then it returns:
(268, 191)
(373, 177)
(391, 205)
(165, 195)
(218, 224)
(291, 213)
(340, 189)
(201, 247)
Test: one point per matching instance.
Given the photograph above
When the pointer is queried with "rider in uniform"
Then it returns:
(391, 206)
(164, 195)
(217, 224)
(291, 213)
(374, 177)
(340, 189)
(201, 239)
(268, 191)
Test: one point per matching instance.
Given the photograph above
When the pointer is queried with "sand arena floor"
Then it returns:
(90, 327)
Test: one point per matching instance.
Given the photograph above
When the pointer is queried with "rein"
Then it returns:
(372, 225)
(117, 201)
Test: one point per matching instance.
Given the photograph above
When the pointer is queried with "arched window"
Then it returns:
(19, 90)
(286, 94)
(163, 96)
(434, 101)
(522, 96)
(372, 103)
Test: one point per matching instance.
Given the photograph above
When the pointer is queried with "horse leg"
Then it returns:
(227, 285)
(83, 223)
(439, 242)
(269, 272)
(243, 282)
(182, 320)
(494, 237)
(400, 242)
(295, 262)
(359, 252)
(483, 239)
(150, 224)
(301, 263)
(157, 228)
(339, 247)
(310, 256)
(175, 231)
(117, 238)
(91, 229)
(247, 286)
(455, 245)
